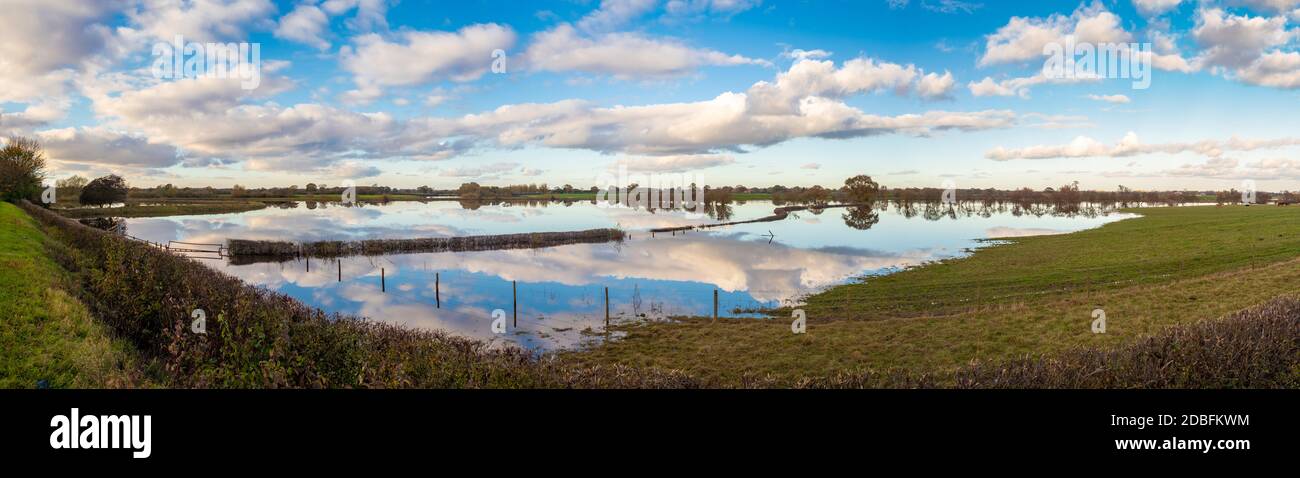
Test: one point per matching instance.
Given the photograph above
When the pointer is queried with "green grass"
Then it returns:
(159, 207)
(1032, 295)
(45, 333)
(164, 209)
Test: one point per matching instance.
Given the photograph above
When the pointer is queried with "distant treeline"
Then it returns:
(810, 195)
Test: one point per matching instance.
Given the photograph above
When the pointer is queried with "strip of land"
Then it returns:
(243, 249)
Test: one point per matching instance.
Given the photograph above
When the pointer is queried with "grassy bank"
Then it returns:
(1032, 295)
(46, 334)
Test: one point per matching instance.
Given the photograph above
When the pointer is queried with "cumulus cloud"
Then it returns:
(1235, 41)
(419, 57)
(622, 55)
(1275, 69)
(1022, 39)
(1130, 145)
(822, 79)
(1018, 86)
(306, 24)
(1155, 7)
(43, 45)
(1247, 48)
(725, 123)
(103, 147)
(202, 20)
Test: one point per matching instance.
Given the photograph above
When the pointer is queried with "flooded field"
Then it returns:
(559, 292)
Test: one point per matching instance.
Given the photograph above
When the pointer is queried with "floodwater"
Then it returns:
(560, 291)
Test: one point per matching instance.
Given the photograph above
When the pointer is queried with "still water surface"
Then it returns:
(561, 289)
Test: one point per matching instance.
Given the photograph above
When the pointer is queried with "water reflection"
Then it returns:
(561, 289)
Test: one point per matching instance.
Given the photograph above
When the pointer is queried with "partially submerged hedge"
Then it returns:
(242, 248)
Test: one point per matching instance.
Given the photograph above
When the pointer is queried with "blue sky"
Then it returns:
(754, 92)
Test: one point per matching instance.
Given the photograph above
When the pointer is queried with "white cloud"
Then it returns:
(1235, 41)
(621, 55)
(800, 55)
(1269, 6)
(371, 14)
(419, 57)
(202, 20)
(1022, 39)
(306, 24)
(1155, 7)
(485, 171)
(103, 147)
(674, 163)
(1018, 86)
(613, 14)
(1112, 99)
(1130, 145)
(810, 78)
(1275, 69)
(934, 86)
(715, 8)
(1244, 47)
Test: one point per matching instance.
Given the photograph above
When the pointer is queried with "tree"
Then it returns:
(861, 189)
(71, 187)
(311, 187)
(22, 169)
(106, 190)
(238, 191)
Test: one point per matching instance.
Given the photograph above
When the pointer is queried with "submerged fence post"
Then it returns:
(308, 264)
(384, 288)
(514, 293)
(340, 261)
(607, 308)
(715, 304)
(437, 289)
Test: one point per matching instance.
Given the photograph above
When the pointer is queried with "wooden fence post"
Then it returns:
(383, 287)
(606, 308)
(437, 289)
(715, 304)
(514, 293)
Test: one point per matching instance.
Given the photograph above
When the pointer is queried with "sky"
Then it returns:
(915, 93)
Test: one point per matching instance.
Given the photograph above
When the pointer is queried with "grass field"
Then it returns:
(47, 335)
(1032, 295)
(167, 209)
(160, 207)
